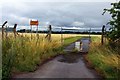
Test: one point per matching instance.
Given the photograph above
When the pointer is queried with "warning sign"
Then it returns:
(34, 23)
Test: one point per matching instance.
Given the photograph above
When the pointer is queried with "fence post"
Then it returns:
(3, 29)
(105, 36)
(14, 30)
(48, 36)
(102, 36)
(50, 30)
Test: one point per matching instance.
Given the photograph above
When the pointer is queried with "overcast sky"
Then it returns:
(74, 13)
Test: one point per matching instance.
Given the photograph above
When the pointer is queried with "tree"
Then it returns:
(114, 33)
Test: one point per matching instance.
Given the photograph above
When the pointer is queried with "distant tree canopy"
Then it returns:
(114, 33)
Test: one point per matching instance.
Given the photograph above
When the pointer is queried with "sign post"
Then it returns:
(34, 23)
(31, 31)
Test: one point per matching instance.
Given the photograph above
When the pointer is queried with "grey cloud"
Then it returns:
(62, 14)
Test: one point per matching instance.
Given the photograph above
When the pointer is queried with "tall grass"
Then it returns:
(104, 59)
(23, 54)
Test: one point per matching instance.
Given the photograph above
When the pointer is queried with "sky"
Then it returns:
(67, 13)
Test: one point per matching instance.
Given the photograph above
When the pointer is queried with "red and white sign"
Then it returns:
(34, 23)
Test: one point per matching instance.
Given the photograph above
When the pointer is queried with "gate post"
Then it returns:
(102, 36)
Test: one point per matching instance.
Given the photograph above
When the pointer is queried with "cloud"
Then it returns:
(76, 23)
(19, 20)
(81, 14)
(59, 0)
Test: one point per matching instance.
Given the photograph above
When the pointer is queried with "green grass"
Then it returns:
(104, 59)
(70, 40)
(96, 39)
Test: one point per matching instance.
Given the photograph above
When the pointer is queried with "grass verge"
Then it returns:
(70, 40)
(104, 59)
